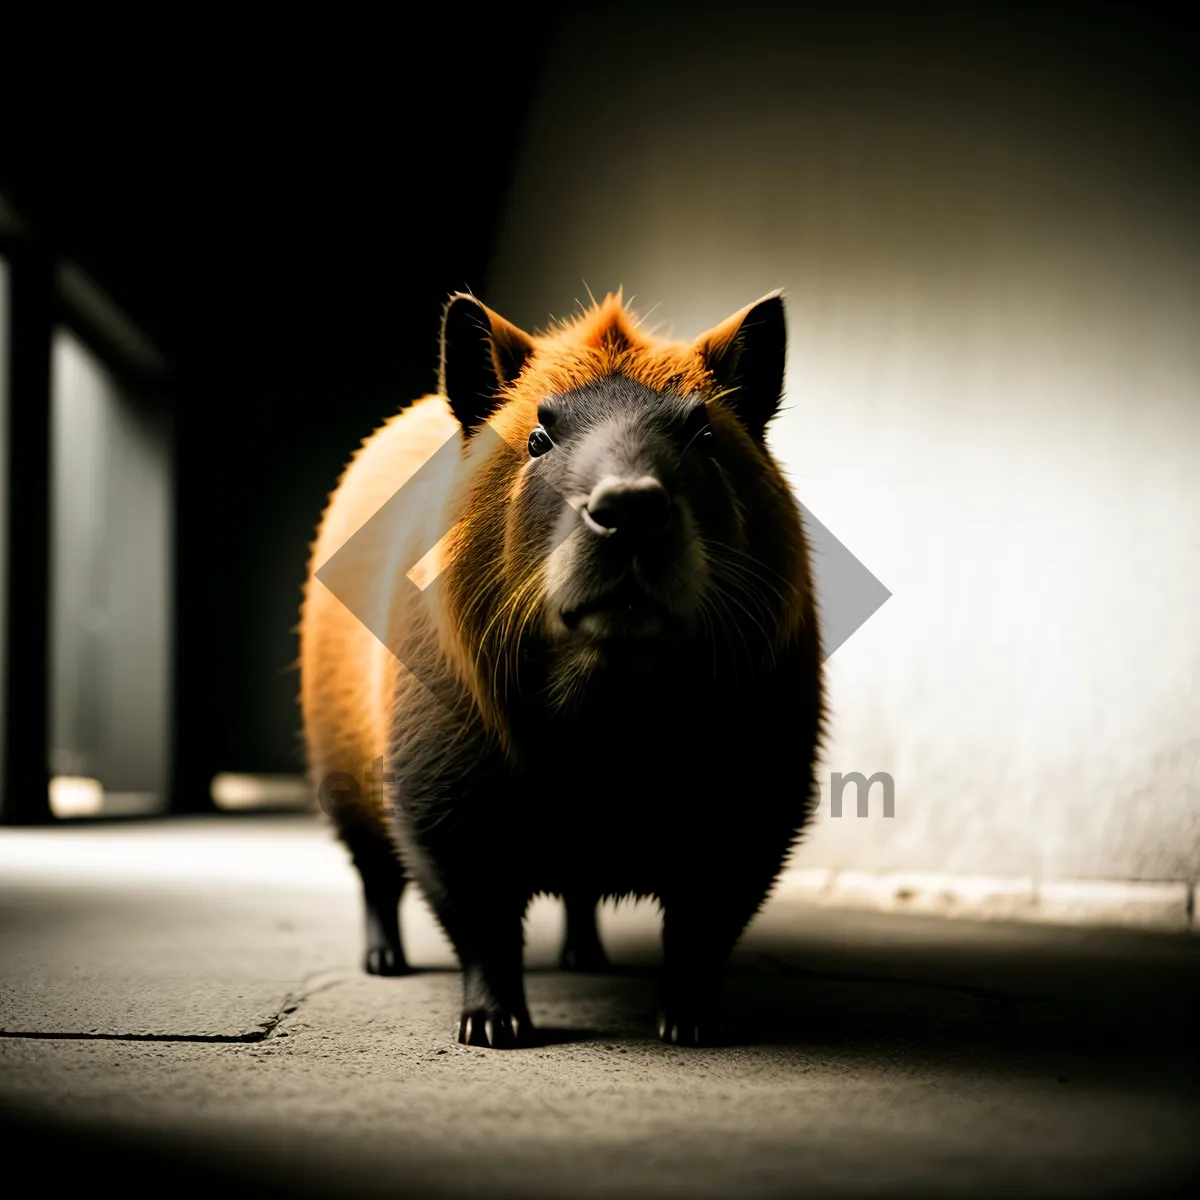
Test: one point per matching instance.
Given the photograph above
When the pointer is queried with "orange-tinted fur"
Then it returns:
(614, 686)
(350, 680)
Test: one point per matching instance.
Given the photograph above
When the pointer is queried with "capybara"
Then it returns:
(607, 681)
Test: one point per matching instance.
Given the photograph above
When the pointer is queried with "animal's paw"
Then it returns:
(690, 1027)
(496, 1030)
(383, 960)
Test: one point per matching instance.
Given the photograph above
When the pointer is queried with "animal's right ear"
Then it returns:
(746, 354)
(481, 353)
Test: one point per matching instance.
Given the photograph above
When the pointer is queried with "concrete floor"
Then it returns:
(180, 1004)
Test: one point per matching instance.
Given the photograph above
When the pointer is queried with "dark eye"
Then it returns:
(539, 442)
(697, 433)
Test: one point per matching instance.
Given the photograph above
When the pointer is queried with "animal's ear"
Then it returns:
(480, 353)
(746, 354)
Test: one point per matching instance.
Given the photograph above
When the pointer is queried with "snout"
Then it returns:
(634, 575)
(631, 510)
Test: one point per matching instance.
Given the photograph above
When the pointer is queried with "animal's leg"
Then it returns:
(582, 949)
(484, 921)
(383, 881)
(702, 922)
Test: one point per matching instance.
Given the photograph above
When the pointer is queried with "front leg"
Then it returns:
(483, 916)
(696, 944)
(489, 942)
(458, 823)
(702, 921)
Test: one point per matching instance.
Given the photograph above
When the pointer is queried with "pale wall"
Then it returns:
(992, 269)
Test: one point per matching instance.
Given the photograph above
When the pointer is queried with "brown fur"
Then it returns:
(360, 704)
(349, 677)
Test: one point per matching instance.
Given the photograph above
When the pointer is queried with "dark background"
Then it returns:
(282, 197)
(312, 183)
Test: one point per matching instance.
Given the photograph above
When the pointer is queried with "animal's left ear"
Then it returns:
(481, 353)
(747, 354)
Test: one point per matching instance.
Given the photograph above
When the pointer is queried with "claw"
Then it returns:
(682, 1031)
(496, 1031)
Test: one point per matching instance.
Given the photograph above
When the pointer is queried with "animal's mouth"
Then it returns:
(625, 610)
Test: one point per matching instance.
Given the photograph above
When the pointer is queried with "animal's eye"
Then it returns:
(697, 433)
(539, 442)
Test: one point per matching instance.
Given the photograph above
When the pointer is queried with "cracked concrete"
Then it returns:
(190, 1010)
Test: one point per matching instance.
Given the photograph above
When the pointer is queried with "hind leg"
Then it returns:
(582, 949)
(383, 883)
(385, 949)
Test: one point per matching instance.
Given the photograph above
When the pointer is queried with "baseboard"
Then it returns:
(1168, 906)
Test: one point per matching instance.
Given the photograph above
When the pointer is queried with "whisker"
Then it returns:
(728, 595)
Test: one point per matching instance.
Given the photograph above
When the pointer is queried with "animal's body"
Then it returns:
(613, 688)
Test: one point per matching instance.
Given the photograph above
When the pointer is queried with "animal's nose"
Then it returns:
(633, 508)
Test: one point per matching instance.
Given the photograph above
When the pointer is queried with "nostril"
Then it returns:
(635, 506)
